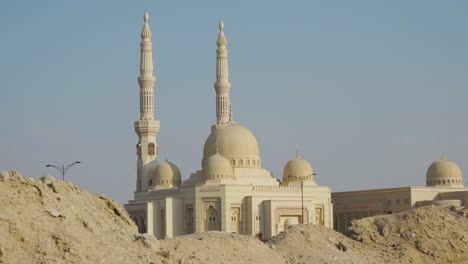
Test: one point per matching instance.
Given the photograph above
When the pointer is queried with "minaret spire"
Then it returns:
(146, 79)
(147, 128)
(222, 84)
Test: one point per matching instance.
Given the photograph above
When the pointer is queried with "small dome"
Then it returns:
(297, 168)
(444, 173)
(167, 174)
(217, 167)
(235, 142)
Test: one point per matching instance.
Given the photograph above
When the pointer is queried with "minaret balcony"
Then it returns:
(147, 126)
(222, 87)
(146, 81)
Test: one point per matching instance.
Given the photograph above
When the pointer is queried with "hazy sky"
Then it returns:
(371, 92)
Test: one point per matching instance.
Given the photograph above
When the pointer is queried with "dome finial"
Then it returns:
(297, 153)
(221, 38)
(443, 156)
(221, 24)
(146, 32)
(166, 158)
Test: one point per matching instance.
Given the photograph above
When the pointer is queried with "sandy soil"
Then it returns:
(45, 220)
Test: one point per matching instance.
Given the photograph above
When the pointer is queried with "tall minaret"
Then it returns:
(146, 128)
(222, 84)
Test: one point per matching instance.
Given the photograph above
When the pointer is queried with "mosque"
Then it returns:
(232, 192)
(444, 186)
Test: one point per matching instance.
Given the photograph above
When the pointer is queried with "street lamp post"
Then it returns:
(63, 169)
(301, 178)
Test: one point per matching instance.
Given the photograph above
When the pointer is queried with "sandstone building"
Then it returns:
(231, 192)
(444, 185)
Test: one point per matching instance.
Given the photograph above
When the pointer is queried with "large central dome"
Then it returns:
(235, 142)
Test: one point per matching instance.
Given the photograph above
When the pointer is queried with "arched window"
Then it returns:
(212, 218)
(234, 217)
(211, 214)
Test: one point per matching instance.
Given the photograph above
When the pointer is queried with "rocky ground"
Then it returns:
(218, 247)
(317, 244)
(48, 221)
(431, 234)
(44, 220)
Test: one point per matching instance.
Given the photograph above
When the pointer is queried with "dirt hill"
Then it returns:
(317, 244)
(48, 221)
(44, 220)
(433, 234)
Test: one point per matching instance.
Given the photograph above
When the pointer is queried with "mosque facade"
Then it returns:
(232, 192)
(444, 186)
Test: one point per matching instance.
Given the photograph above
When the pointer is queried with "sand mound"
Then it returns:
(49, 221)
(218, 247)
(433, 234)
(317, 244)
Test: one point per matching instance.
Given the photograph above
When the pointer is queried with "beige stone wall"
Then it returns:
(242, 209)
(458, 195)
(353, 205)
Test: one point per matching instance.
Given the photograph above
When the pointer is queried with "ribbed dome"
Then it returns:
(217, 167)
(235, 142)
(444, 173)
(299, 168)
(167, 174)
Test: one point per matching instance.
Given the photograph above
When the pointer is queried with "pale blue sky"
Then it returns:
(371, 92)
